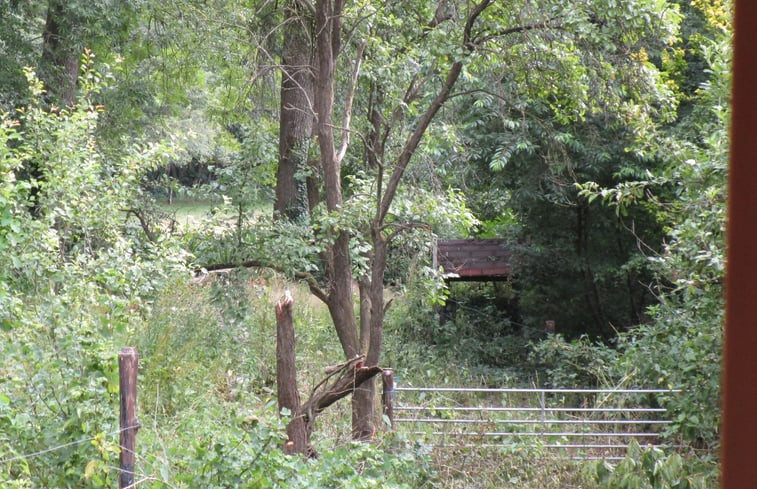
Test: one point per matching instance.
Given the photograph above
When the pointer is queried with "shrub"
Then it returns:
(650, 468)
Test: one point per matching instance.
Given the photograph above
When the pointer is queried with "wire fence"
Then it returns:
(574, 423)
(61, 446)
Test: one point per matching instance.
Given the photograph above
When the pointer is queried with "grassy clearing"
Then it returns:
(188, 212)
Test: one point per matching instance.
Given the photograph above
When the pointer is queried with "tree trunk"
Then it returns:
(377, 297)
(340, 298)
(362, 410)
(296, 118)
(363, 406)
(339, 264)
(59, 71)
(328, 31)
(363, 398)
(591, 292)
(60, 58)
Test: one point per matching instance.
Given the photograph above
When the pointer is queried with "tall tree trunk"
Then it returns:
(363, 404)
(339, 298)
(591, 292)
(296, 119)
(364, 395)
(60, 57)
(339, 265)
(59, 70)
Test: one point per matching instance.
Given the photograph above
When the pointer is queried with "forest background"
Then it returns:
(328, 144)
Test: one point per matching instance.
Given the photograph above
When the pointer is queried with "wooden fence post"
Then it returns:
(128, 360)
(387, 396)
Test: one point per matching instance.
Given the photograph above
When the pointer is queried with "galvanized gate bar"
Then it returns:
(539, 419)
(536, 390)
(632, 434)
(532, 421)
(530, 409)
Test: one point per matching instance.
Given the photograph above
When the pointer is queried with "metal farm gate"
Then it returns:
(573, 423)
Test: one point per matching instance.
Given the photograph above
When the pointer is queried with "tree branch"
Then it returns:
(348, 103)
(313, 285)
(412, 142)
(439, 15)
(349, 375)
(143, 223)
(400, 228)
(517, 29)
(308, 6)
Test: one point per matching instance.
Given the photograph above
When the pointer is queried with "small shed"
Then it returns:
(480, 260)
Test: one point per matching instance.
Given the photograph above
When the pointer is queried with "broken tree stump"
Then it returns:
(286, 377)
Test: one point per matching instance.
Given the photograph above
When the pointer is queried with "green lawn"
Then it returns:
(188, 211)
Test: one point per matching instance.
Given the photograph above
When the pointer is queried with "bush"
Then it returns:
(77, 274)
(650, 468)
(578, 363)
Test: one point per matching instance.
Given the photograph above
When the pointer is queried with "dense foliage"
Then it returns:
(77, 272)
(81, 278)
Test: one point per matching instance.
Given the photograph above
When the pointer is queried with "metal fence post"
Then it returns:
(387, 396)
(543, 403)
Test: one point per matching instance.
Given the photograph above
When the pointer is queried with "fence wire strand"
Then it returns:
(65, 445)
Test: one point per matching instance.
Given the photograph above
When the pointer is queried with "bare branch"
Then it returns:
(307, 5)
(313, 285)
(143, 223)
(547, 24)
(349, 375)
(439, 15)
(399, 228)
(477, 11)
(348, 103)
(315, 288)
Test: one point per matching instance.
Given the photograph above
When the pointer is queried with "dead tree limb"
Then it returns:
(346, 378)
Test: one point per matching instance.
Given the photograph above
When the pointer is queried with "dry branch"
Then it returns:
(348, 378)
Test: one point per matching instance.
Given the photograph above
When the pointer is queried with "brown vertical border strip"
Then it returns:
(739, 428)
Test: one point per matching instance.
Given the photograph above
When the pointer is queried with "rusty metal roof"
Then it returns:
(473, 259)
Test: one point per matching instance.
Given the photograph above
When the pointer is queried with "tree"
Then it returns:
(60, 52)
(574, 260)
(80, 252)
(296, 113)
(383, 75)
(453, 41)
